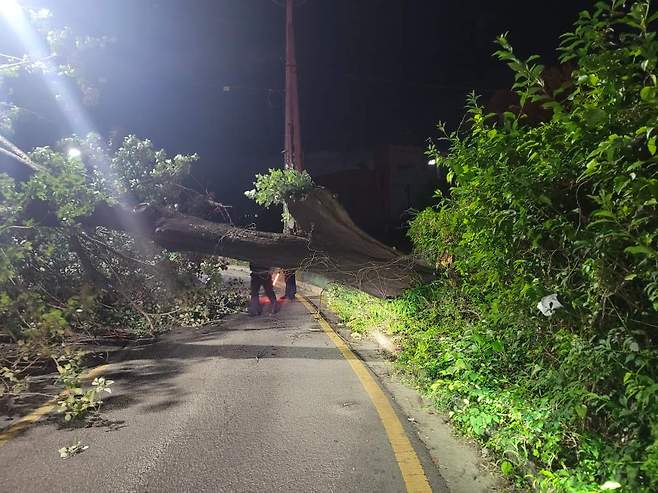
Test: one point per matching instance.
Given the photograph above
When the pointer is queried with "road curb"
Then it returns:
(460, 461)
(411, 467)
(386, 343)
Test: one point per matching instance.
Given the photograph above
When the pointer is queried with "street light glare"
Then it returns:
(74, 153)
(10, 10)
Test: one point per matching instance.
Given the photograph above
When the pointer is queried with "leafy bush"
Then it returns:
(58, 283)
(75, 402)
(62, 286)
(562, 204)
(279, 185)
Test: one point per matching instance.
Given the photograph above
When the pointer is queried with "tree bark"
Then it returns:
(332, 245)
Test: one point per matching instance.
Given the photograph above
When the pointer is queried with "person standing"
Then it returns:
(291, 284)
(261, 277)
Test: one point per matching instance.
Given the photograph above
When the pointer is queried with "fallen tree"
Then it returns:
(328, 241)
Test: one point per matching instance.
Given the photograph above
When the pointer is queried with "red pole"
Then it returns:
(293, 137)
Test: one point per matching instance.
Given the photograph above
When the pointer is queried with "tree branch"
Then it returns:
(333, 246)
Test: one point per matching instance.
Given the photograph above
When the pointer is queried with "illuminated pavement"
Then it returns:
(258, 404)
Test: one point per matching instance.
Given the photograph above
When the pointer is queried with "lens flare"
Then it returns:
(73, 153)
(10, 10)
(39, 53)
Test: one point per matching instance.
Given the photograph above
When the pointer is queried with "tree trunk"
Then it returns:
(332, 245)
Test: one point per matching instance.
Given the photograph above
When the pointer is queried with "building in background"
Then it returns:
(380, 188)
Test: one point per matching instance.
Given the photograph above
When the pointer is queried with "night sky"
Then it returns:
(371, 72)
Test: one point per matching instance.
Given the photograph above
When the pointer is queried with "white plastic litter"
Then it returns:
(548, 304)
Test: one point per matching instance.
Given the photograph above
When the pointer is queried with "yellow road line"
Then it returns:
(23, 423)
(410, 466)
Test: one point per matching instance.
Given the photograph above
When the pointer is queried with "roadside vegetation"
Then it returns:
(563, 204)
(66, 288)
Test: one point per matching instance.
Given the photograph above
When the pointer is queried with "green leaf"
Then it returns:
(497, 346)
(639, 250)
(647, 93)
(506, 467)
(651, 145)
(594, 116)
(603, 213)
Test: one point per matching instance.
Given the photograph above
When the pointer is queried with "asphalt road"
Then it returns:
(259, 404)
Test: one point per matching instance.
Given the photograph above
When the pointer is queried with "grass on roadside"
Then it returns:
(519, 393)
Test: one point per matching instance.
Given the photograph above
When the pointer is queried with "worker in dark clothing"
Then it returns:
(261, 276)
(291, 284)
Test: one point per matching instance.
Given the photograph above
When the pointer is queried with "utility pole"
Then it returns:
(292, 150)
